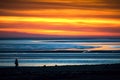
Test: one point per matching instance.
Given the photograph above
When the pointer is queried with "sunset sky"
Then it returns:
(59, 18)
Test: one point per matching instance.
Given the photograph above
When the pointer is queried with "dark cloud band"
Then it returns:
(26, 4)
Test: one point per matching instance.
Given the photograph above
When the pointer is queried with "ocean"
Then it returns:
(36, 52)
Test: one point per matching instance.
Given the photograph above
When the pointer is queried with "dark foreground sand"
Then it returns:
(94, 72)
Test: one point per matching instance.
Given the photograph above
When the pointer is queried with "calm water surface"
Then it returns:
(51, 59)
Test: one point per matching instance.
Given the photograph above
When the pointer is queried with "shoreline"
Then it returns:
(78, 72)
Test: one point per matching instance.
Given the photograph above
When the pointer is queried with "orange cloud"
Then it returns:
(61, 17)
(61, 32)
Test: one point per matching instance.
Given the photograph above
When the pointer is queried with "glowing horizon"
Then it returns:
(58, 18)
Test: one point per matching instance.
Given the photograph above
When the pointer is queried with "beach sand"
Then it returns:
(81, 72)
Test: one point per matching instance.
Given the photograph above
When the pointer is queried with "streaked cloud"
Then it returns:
(61, 17)
(58, 4)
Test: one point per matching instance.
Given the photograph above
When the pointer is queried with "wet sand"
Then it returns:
(81, 72)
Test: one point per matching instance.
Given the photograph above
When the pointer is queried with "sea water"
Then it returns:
(40, 58)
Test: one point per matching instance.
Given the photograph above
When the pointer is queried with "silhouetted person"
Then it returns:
(16, 63)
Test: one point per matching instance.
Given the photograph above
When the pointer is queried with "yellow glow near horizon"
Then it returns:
(58, 20)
